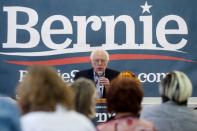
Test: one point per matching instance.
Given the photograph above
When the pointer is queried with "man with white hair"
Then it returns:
(173, 114)
(99, 73)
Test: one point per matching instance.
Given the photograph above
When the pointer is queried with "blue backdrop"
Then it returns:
(148, 37)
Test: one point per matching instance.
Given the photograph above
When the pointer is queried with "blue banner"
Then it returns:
(148, 37)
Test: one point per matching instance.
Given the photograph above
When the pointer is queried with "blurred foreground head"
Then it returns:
(176, 87)
(129, 74)
(125, 95)
(42, 89)
(85, 96)
(9, 115)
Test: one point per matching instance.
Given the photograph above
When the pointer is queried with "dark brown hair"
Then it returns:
(42, 89)
(124, 95)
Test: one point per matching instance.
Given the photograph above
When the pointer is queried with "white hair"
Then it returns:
(99, 51)
(176, 86)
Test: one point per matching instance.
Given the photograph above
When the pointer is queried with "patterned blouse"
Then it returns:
(127, 123)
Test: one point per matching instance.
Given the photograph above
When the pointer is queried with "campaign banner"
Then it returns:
(147, 37)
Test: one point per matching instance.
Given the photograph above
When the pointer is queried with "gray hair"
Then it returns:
(99, 51)
(84, 90)
(176, 86)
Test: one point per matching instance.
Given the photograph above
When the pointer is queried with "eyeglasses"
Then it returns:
(100, 61)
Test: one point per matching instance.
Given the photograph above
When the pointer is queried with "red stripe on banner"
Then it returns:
(146, 57)
(85, 59)
(72, 60)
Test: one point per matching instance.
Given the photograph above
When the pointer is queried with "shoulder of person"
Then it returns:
(151, 110)
(84, 73)
(146, 123)
(106, 126)
(112, 70)
(83, 120)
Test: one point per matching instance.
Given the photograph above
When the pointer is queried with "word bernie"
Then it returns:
(96, 22)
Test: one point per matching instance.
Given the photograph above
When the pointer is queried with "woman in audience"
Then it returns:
(46, 103)
(129, 74)
(173, 114)
(85, 97)
(124, 98)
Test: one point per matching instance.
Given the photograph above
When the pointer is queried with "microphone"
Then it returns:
(100, 87)
(100, 73)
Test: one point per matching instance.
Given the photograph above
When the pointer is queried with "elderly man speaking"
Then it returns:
(99, 73)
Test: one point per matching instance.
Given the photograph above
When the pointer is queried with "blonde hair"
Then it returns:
(176, 86)
(84, 90)
(42, 89)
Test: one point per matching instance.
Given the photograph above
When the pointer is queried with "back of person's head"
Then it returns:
(176, 87)
(124, 95)
(85, 96)
(42, 89)
(9, 115)
(129, 74)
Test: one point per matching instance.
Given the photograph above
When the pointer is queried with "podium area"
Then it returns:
(101, 110)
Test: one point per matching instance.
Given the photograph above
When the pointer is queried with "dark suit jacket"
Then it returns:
(89, 74)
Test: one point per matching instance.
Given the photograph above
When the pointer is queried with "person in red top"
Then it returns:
(124, 98)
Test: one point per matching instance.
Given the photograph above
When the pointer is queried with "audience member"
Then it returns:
(124, 98)
(129, 74)
(99, 73)
(9, 114)
(46, 103)
(173, 114)
(85, 97)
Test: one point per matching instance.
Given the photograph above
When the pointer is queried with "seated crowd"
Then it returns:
(47, 103)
